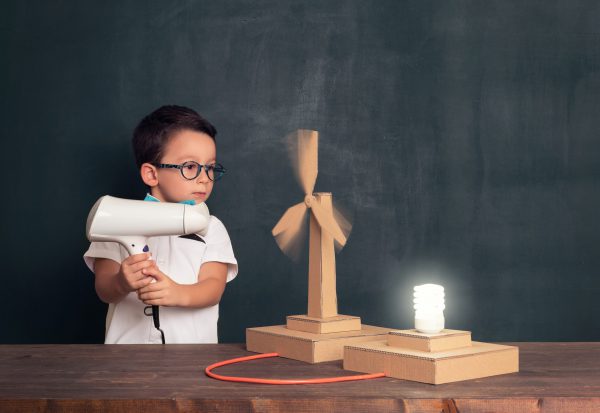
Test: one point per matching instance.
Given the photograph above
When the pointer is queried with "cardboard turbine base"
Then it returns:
(306, 346)
(454, 358)
(317, 325)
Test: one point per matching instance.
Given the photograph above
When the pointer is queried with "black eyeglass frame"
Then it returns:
(218, 169)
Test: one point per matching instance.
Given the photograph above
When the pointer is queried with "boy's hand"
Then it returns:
(130, 274)
(164, 291)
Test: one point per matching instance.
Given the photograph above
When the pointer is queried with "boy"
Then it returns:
(175, 152)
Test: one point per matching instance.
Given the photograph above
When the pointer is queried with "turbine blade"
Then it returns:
(290, 231)
(328, 223)
(290, 219)
(292, 246)
(304, 148)
(344, 223)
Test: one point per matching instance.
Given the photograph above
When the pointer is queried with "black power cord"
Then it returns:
(154, 313)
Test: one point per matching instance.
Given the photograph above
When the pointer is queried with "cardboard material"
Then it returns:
(322, 296)
(319, 335)
(308, 347)
(323, 325)
(444, 340)
(475, 361)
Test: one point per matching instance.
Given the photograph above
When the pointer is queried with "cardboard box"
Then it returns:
(465, 363)
(308, 347)
(444, 340)
(335, 324)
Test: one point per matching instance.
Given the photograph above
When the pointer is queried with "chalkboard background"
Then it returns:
(461, 138)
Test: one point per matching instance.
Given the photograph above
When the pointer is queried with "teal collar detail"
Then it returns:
(154, 199)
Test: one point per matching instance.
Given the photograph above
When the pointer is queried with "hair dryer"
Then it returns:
(130, 223)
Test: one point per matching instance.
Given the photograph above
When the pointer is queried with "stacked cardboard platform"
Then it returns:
(443, 357)
(312, 340)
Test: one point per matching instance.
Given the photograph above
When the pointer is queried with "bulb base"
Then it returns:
(430, 324)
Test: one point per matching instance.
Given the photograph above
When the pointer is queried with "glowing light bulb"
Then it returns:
(429, 308)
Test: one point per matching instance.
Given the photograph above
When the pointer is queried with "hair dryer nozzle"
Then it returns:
(196, 219)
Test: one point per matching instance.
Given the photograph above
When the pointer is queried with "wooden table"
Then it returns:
(154, 378)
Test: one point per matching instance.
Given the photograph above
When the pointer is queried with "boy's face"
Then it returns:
(168, 184)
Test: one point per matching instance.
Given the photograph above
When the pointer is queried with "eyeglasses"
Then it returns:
(191, 170)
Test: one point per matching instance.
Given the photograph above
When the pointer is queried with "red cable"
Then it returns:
(209, 373)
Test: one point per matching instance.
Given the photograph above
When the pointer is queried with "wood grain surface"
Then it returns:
(125, 378)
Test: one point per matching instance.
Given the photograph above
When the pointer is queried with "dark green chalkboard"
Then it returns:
(461, 136)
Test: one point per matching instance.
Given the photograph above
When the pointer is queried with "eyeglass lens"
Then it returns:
(191, 170)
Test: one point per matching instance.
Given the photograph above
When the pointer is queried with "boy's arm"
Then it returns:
(205, 293)
(210, 287)
(106, 271)
(114, 281)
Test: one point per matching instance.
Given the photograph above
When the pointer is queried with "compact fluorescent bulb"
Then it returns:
(429, 308)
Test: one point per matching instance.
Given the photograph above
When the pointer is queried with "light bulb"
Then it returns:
(429, 308)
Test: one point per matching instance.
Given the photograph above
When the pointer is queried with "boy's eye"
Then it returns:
(189, 166)
(189, 170)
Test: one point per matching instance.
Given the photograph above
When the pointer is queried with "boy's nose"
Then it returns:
(203, 177)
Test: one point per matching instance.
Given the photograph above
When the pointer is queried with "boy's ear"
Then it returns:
(149, 174)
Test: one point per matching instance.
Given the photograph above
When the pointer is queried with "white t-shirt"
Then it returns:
(180, 259)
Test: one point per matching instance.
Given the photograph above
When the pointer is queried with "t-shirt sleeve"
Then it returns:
(218, 247)
(111, 250)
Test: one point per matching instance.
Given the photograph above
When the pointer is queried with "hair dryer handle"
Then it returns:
(134, 244)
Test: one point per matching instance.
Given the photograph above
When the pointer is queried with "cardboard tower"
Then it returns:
(319, 335)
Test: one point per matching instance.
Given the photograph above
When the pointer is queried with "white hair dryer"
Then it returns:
(130, 223)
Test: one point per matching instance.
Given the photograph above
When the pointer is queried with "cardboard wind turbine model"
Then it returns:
(429, 353)
(321, 334)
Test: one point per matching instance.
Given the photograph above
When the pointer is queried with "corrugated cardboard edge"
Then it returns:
(323, 320)
(335, 324)
(411, 339)
(296, 348)
(414, 333)
(483, 360)
(492, 363)
(308, 347)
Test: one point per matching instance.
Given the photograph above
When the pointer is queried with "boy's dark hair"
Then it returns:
(153, 132)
